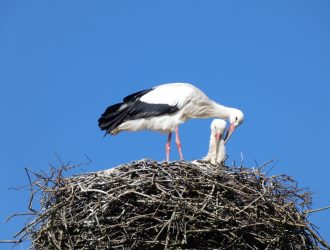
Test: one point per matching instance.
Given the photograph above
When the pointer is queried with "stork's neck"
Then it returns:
(209, 109)
(212, 150)
(211, 155)
(221, 111)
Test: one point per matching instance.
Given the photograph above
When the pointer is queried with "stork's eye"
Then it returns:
(236, 118)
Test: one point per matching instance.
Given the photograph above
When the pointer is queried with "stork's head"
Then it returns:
(218, 128)
(236, 118)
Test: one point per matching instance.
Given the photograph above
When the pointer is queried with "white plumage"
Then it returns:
(163, 108)
(217, 150)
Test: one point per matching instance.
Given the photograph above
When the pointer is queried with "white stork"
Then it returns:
(217, 151)
(163, 108)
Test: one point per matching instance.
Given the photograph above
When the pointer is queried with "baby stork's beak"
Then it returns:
(230, 131)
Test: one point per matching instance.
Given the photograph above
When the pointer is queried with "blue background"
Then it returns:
(63, 62)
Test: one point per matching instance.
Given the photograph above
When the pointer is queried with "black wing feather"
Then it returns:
(113, 108)
(135, 96)
(144, 110)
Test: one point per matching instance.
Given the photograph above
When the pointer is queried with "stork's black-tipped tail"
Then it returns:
(112, 117)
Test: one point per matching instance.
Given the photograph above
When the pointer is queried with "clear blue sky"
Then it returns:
(63, 62)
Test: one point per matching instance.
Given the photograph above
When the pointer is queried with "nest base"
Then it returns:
(180, 205)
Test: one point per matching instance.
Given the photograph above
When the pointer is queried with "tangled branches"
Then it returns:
(178, 205)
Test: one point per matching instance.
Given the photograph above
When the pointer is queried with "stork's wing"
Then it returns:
(132, 110)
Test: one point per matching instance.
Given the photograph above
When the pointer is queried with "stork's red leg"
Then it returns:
(168, 147)
(178, 142)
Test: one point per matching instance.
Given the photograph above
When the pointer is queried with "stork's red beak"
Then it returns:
(230, 131)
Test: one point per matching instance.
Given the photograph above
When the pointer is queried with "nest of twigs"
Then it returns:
(178, 205)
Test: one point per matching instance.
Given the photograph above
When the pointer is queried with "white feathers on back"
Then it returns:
(174, 94)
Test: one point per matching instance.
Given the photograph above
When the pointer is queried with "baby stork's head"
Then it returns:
(218, 128)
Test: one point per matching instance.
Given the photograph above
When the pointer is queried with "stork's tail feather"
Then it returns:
(112, 117)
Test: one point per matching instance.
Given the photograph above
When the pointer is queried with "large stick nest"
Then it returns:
(178, 205)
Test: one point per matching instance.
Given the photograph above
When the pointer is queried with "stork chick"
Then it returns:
(217, 151)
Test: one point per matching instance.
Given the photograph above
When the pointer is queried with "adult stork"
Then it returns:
(217, 150)
(163, 108)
